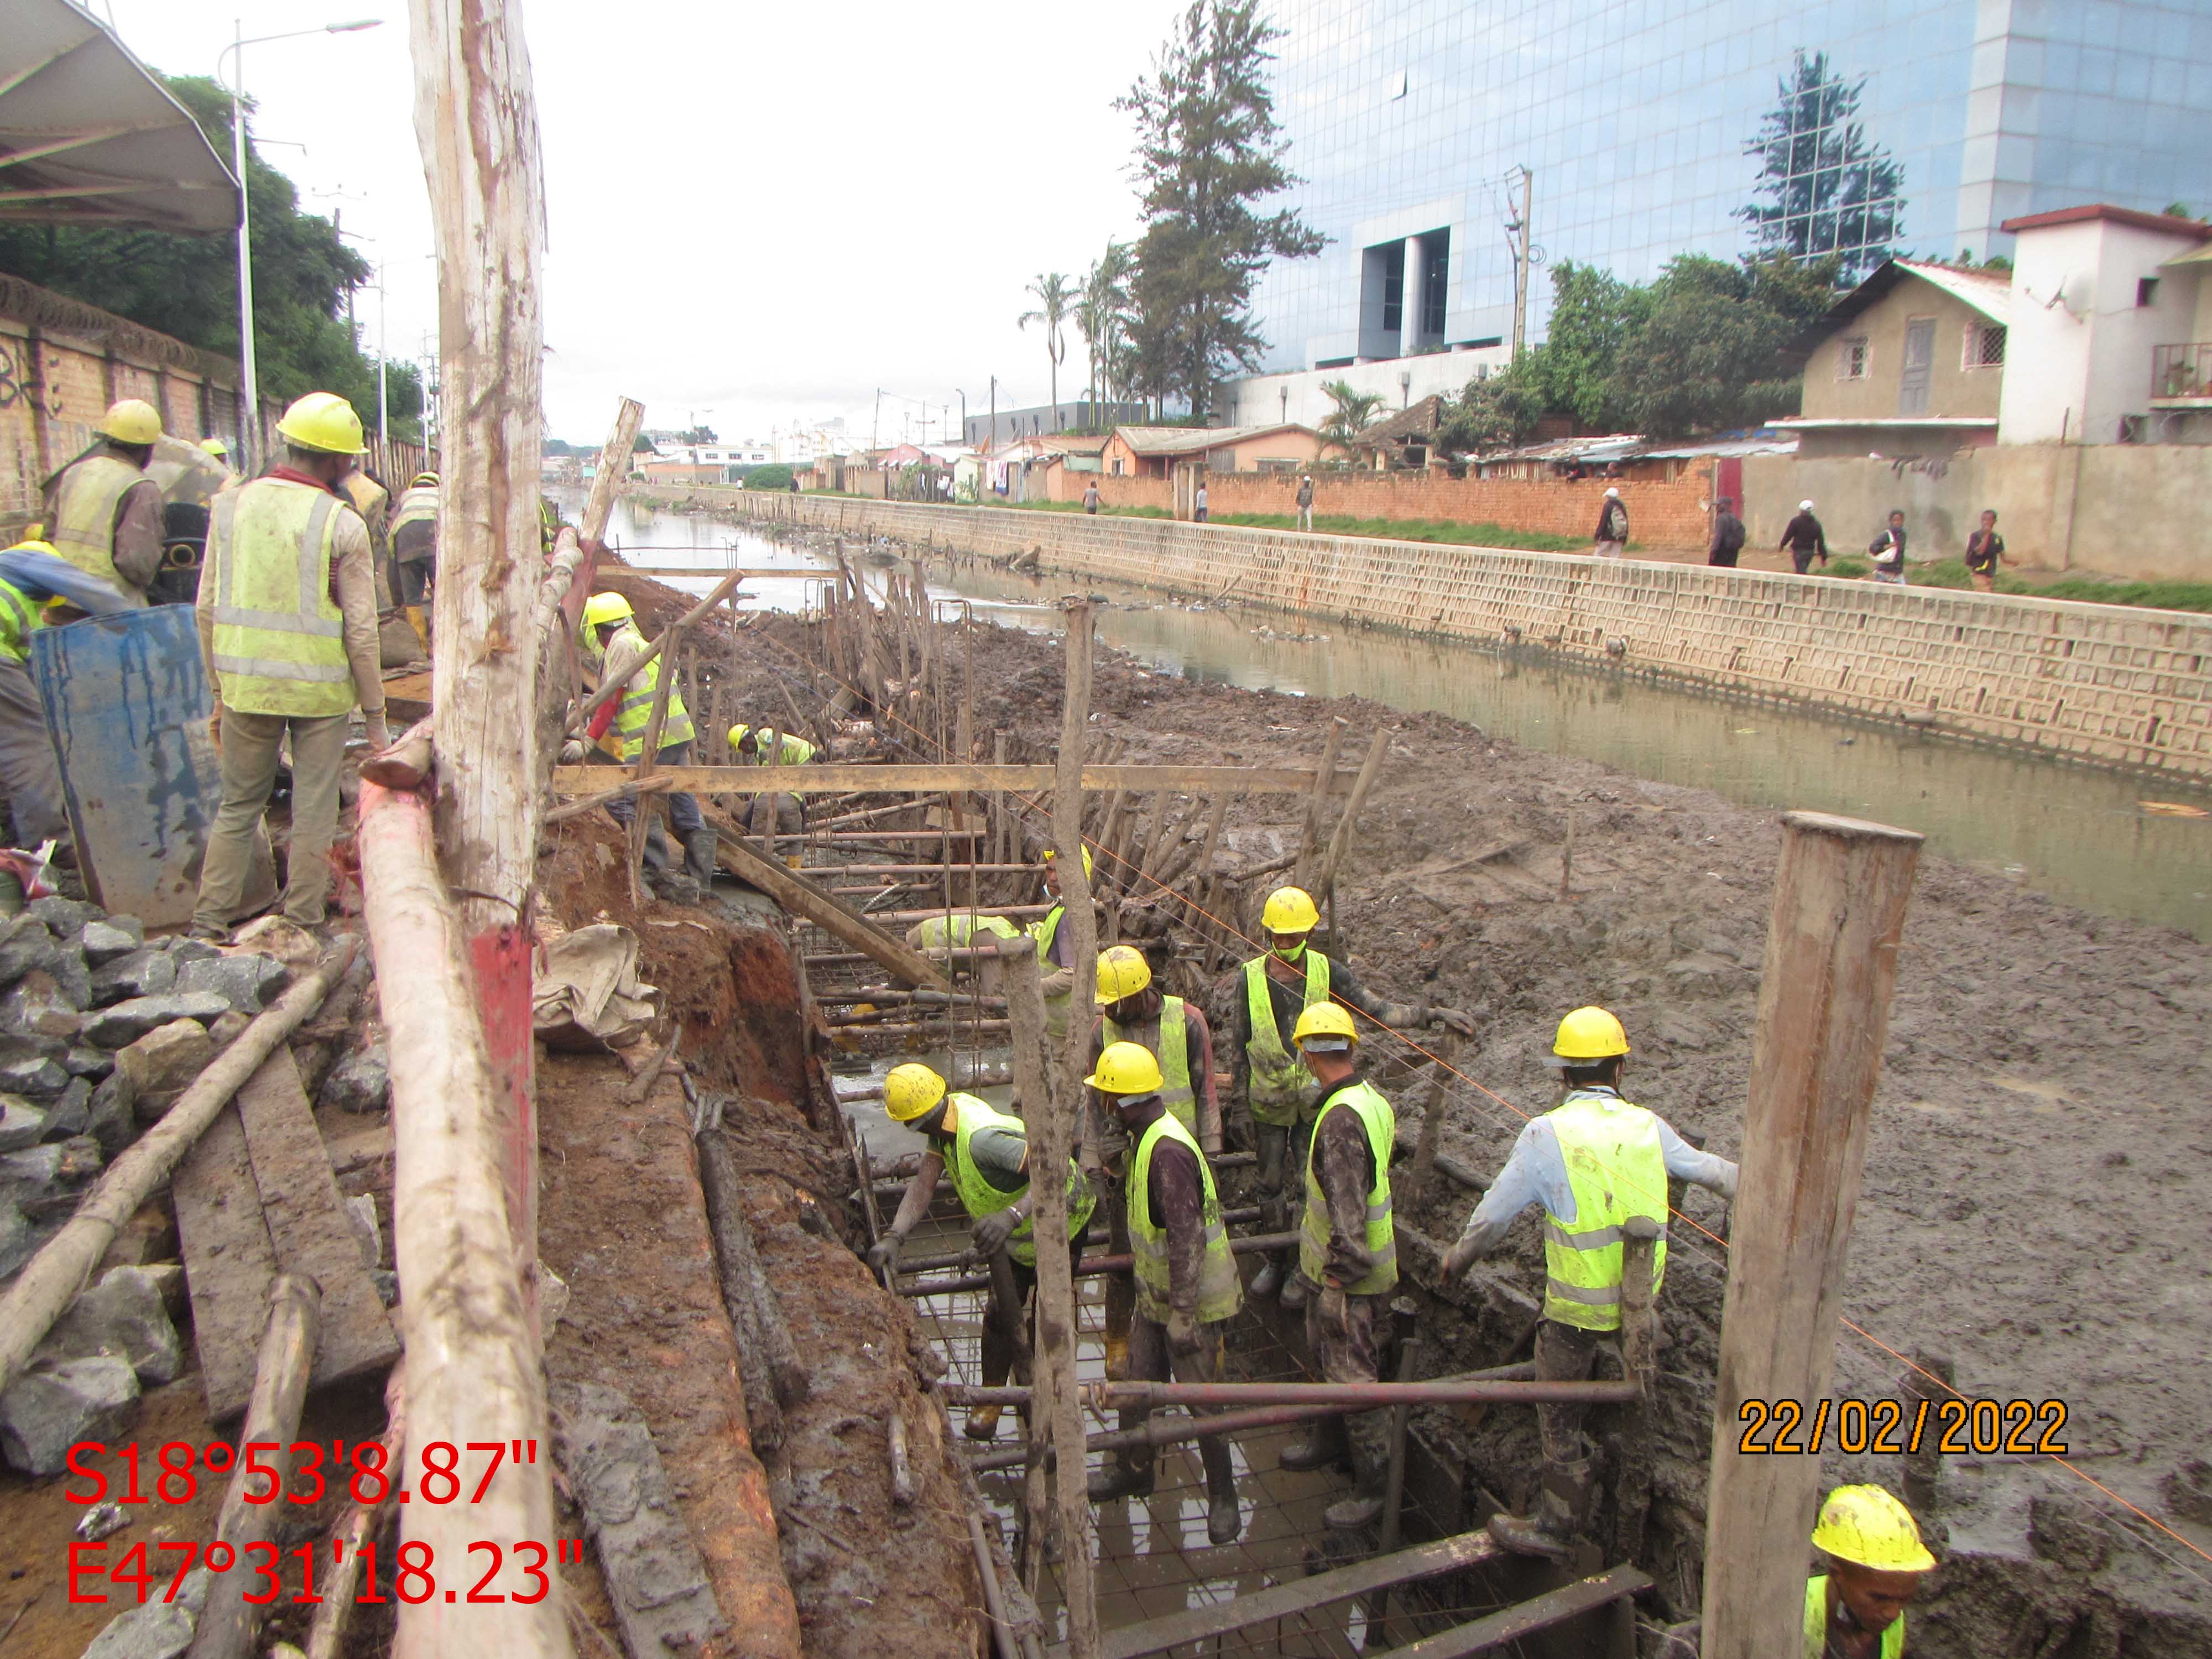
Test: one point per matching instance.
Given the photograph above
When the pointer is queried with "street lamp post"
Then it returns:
(250, 428)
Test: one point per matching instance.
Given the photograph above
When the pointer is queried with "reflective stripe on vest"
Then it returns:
(1380, 1121)
(279, 640)
(419, 503)
(83, 531)
(1172, 1050)
(938, 931)
(797, 751)
(634, 713)
(1616, 1170)
(1816, 1624)
(980, 1198)
(1280, 1091)
(1056, 1003)
(1220, 1292)
(19, 619)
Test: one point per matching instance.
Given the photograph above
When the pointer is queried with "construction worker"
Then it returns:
(751, 744)
(287, 614)
(1347, 1252)
(1056, 950)
(1592, 1161)
(221, 451)
(1185, 1278)
(31, 573)
(1279, 985)
(1855, 1610)
(613, 645)
(987, 1155)
(415, 552)
(1133, 1010)
(103, 512)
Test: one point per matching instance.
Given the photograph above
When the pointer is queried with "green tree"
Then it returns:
(1707, 354)
(1497, 413)
(1208, 149)
(771, 475)
(1823, 188)
(187, 286)
(1101, 317)
(1056, 296)
(1593, 315)
(1350, 410)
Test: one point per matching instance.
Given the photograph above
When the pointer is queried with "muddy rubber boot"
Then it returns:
(422, 629)
(1326, 1446)
(1133, 1471)
(1268, 1279)
(1222, 1520)
(677, 887)
(1117, 1358)
(1295, 1292)
(699, 857)
(1550, 1532)
(1368, 1436)
(983, 1422)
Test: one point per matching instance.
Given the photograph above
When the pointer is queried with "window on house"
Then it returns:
(1851, 357)
(2146, 290)
(1985, 346)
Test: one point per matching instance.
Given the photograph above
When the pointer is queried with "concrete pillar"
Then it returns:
(1414, 297)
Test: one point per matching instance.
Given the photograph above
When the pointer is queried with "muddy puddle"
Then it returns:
(2121, 846)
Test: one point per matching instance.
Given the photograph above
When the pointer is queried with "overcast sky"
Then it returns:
(764, 211)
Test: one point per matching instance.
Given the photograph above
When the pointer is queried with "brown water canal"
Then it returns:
(2110, 842)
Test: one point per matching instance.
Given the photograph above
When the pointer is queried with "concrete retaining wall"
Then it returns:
(2103, 684)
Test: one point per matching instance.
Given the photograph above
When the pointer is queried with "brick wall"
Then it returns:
(2115, 685)
(1663, 513)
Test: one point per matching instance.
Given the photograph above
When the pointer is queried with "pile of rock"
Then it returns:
(100, 1031)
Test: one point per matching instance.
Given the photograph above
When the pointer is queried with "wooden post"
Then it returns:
(1017, 962)
(476, 119)
(1339, 842)
(472, 1357)
(1839, 901)
(1310, 845)
(228, 1624)
(1052, 1132)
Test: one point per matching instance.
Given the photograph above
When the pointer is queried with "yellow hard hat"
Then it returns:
(426, 477)
(1589, 1033)
(1289, 910)
(605, 608)
(133, 421)
(1052, 853)
(1122, 972)
(738, 733)
(1126, 1068)
(912, 1091)
(215, 447)
(325, 422)
(1867, 1525)
(1325, 1019)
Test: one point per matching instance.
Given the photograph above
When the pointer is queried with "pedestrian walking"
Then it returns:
(1201, 503)
(1305, 501)
(1727, 534)
(1803, 539)
(1090, 498)
(1984, 552)
(1888, 550)
(1611, 537)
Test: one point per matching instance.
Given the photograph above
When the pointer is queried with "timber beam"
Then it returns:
(840, 778)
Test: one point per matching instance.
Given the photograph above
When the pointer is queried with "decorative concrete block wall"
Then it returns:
(2105, 683)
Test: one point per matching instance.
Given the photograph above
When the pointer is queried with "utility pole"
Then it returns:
(1517, 227)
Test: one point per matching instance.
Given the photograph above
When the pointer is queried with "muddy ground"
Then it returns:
(2036, 1177)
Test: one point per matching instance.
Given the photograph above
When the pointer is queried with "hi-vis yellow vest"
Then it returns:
(1616, 1170)
(1280, 1090)
(634, 713)
(418, 504)
(1816, 1624)
(980, 1198)
(279, 637)
(1220, 1292)
(83, 531)
(1380, 1122)
(1174, 1056)
(19, 619)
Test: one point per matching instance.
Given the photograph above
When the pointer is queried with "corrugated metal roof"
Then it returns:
(1194, 440)
(1987, 291)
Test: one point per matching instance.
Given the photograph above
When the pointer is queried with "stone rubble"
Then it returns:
(50, 1409)
(361, 1081)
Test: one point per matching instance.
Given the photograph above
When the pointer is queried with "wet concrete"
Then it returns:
(2084, 836)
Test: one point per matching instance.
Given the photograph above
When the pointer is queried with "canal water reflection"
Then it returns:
(2083, 835)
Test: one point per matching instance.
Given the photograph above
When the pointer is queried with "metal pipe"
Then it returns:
(1096, 1235)
(994, 1601)
(1341, 1397)
(1093, 1266)
(1167, 1431)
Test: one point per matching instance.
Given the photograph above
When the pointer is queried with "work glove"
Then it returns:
(883, 1254)
(1454, 1019)
(1334, 1310)
(990, 1235)
(573, 752)
(1182, 1333)
(380, 734)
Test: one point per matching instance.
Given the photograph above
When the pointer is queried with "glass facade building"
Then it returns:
(1650, 128)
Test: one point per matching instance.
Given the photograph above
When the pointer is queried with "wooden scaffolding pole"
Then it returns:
(1839, 901)
(472, 1356)
(476, 121)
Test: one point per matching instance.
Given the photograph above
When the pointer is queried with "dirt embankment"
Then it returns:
(2036, 1180)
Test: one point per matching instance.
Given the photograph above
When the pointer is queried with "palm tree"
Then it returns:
(1055, 297)
(1353, 413)
(1102, 316)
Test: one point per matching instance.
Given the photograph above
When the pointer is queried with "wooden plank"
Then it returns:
(900, 779)
(795, 893)
(1468, 1549)
(1511, 1624)
(229, 1260)
(811, 573)
(308, 1223)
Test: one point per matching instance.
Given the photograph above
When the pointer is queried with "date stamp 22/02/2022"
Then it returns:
(1956, 1427)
